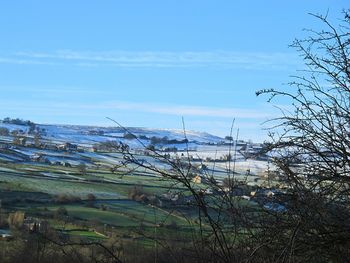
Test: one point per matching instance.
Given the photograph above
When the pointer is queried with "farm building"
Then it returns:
(67, 147)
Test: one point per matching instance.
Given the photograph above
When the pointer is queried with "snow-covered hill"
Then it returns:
(93, 134)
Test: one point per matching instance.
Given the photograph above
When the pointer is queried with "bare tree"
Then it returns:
(311, 147)
(223, 222)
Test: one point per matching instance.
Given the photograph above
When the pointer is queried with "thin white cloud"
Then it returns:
(158, 59)
(58, 90)
(25, 61)
(185, 110)
(111, 107)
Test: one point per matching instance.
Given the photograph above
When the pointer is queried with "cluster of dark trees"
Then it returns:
(66, 199)
(18, 121)
(154, 140)
(129, 136)
(32, 127)
(108, 146)
(165, 140)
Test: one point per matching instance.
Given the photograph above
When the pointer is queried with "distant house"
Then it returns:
(203, 179)
(265, 195)
(67, 147)
(35, 157)
(197, 179)
(170, 197)
(39, 158)
(209, 191)
(36, 225)
(61, 147)
(20, 141)
(253, 193)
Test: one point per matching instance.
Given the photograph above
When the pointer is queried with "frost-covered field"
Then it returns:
(201, 146)
(89, 134)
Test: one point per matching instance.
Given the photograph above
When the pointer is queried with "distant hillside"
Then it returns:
(93, 134)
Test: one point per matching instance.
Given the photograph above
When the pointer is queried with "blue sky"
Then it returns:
(148, 63)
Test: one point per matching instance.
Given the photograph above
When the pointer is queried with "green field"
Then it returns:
(32, 188)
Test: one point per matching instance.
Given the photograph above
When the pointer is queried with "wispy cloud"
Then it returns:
(164, 109)
(186, 110)
(157, 59)
(25, 61)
